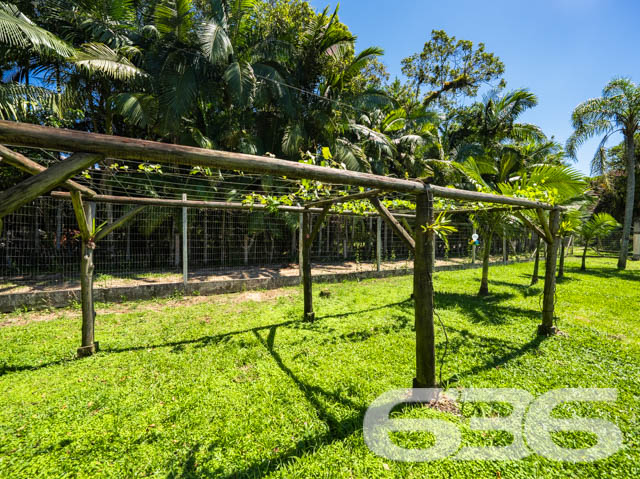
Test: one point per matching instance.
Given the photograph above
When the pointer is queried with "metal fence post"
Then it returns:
(379, 244)
(474, 248)
(636, 240)
(185, 257)
(300, 238)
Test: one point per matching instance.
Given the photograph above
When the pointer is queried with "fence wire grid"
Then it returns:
(40, 243)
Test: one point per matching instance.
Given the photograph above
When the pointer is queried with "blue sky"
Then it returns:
(564, 51)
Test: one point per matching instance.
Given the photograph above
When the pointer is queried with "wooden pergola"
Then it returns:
(89, 148)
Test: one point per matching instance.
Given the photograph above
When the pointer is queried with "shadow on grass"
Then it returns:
(609, 273)
(177, 345)
(486, 309)
(499, 351)
(407, 302)
(318, 398)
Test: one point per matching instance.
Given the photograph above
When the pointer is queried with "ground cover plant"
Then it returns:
(238, 386)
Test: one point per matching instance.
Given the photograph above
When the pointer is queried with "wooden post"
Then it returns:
(378, 244)
(548, 301)
(423, 294)
(636, 241)
(85, 214)
(306, 267)
(185, 245)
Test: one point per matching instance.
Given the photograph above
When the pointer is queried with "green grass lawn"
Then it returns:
(240, 388)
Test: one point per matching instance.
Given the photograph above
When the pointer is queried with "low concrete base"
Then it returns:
(63, 298)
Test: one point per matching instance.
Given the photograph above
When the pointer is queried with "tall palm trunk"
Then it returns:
(484, 284)
(536, 264)
(584, 257)
(631, 191)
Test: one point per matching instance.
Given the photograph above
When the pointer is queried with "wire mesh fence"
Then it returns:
(40, 245)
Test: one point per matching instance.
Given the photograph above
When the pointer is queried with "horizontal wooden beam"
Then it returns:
(59, 139)
(343, 199)
(476, 196)
(214, 205)
(23, 163)
(40, 184)
(483, 210)
(36, 136)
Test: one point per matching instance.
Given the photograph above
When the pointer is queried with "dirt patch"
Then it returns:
(23, 318)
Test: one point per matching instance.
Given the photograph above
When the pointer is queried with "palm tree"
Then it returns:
(598, 226)
(617, 110)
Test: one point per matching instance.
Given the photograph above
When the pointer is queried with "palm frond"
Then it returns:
(98, 57)
(17, 30)
(241, 83)
(214, 42)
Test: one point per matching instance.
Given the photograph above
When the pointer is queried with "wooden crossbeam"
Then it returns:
(37, 185)
(531, 225)
(84, 224)
(343, 199)
(318, 224)
(23, 134)
(393, 223)
(124, 219)
(23, 163)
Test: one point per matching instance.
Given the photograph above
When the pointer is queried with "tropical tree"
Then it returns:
(598, 226)
(616, 111)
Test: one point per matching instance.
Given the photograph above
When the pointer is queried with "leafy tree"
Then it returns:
(448, 66)
(617, 110)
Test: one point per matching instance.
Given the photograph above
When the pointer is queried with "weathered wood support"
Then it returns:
(85, 215)
(548, 301)
(307, 285)
(343, 199)
(23, 163)
(393, 223)
(124, 219)
(308, 235)
(23, 134)
(536, 229)
(37, 185)
(318, 224)
(423, 294)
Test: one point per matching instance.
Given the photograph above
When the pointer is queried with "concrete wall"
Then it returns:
(62, 298)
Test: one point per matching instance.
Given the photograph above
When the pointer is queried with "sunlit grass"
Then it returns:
(242, 388)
